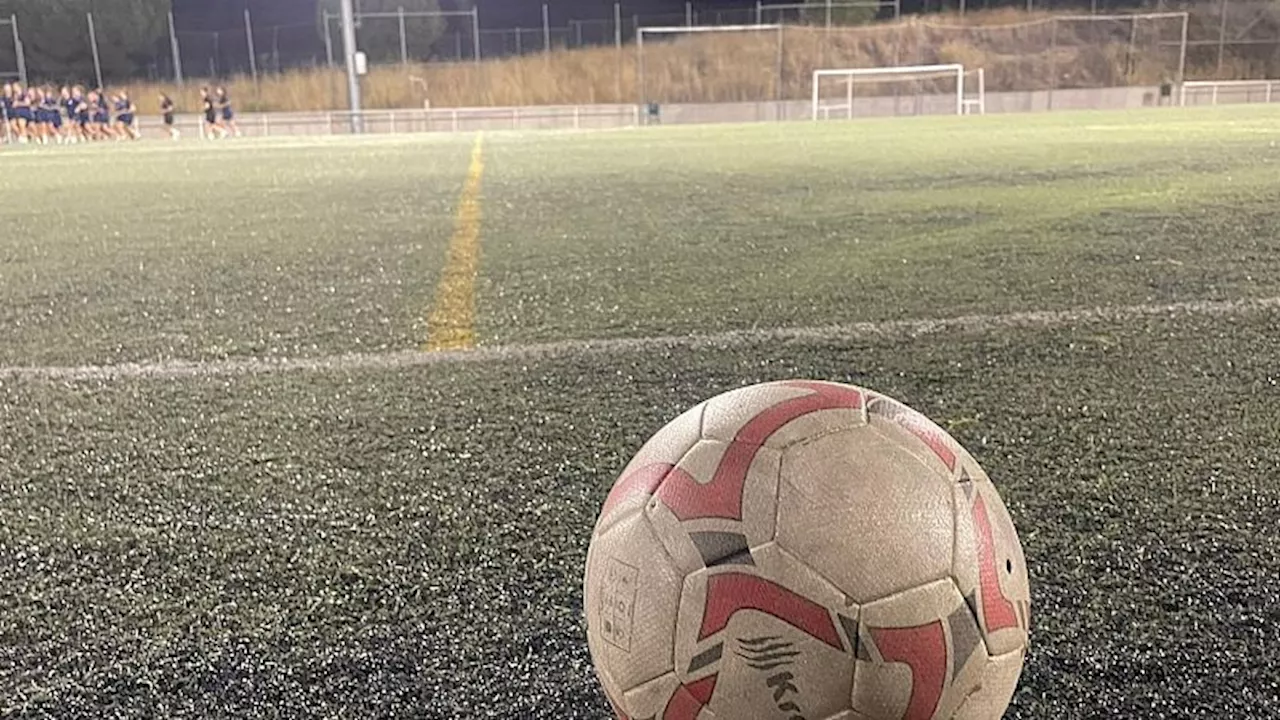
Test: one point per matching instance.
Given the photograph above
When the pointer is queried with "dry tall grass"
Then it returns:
(1018, 50)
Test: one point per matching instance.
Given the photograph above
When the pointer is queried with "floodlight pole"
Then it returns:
(93, 43)
(349, 53)
(177, 52)
(404, 37)
(21, 52)
(253, 51)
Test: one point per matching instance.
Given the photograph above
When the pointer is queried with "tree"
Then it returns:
(55, 36)
(379, 37)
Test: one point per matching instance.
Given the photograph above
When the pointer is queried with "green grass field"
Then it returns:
(230, 486)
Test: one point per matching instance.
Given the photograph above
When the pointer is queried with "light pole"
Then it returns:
(349, 52)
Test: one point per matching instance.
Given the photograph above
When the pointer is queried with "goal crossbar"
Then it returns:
(672, 29)
(955, 70)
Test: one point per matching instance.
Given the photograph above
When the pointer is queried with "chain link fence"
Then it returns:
(1166, 42)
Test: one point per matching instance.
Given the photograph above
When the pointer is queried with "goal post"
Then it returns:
(946, 89)
(1223, 92)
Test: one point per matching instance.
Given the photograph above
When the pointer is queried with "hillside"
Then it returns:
(1018, 50)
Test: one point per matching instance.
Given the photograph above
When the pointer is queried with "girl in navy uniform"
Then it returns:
(101, 114)
(125, 115)
(93, 113)
(39, 116)
(21, 111)
(65, 106)
(78, 114)
(210, 114)
(228, 115)
(6, 112)
(166, 109)
(53, 115)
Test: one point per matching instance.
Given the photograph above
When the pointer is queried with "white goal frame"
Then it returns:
(963, 104)
(1270, 89)
(776, 28)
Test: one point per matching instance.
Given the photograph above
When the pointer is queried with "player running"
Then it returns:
(78, 115)
(228, 122)
(53, 110)
(21, 112)
(6, 111)
(126, 116)
(210, 114)
(102, 115)
(166, 109)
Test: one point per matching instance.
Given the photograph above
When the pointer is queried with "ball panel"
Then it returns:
(848, 498)
(774, 651)
(990, 568)
(999, 680)
(645, 471)
(632, 593)
(779, 413)
(915, 431)
(706, 490)
(650, 699)
(919, 653)
(693, 487)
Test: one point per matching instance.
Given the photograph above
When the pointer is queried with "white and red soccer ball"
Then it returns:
(805, 550)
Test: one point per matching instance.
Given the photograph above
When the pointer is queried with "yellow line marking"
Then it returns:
(452, 322)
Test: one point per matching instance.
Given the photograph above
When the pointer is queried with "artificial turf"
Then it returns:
(409, 541)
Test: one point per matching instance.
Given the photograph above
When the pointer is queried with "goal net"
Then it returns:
(1224, 92)
(890, 91)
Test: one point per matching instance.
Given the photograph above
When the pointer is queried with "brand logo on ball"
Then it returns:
(768, 654)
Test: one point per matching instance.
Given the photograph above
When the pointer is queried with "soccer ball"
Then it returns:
(810, 550)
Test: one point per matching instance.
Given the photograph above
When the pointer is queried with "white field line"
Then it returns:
(177, 369)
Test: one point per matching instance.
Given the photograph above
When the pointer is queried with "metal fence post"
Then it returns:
(475, 31)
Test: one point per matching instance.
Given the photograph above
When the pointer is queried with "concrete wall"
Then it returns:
(586, 117)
